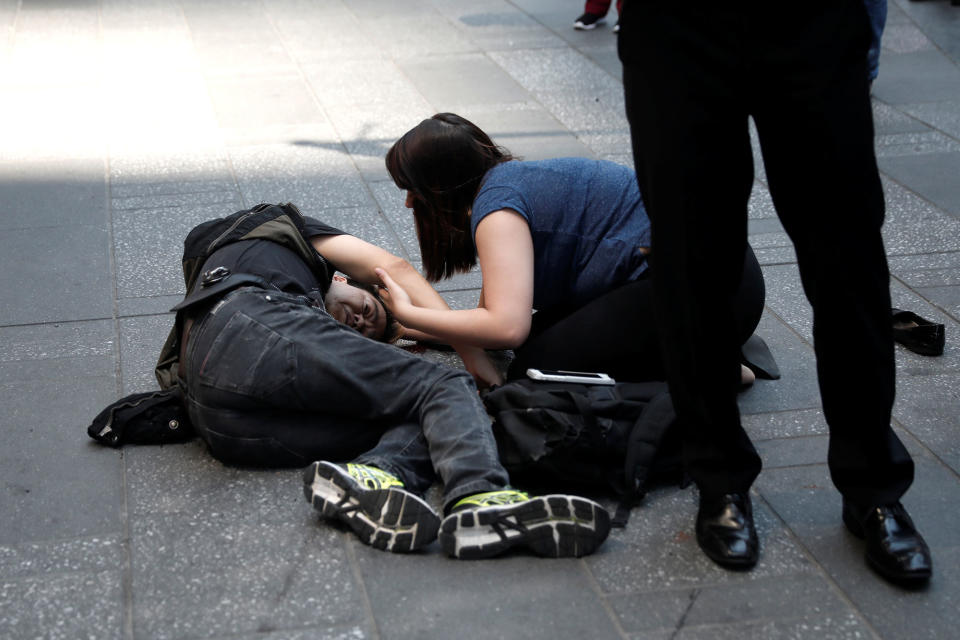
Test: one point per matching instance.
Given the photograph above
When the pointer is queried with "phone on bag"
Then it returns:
(582, 377)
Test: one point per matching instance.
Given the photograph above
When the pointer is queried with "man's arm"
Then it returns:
(358, 259)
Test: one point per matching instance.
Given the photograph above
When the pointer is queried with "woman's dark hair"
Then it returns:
(441, 162)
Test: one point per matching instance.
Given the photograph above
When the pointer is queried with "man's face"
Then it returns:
(356, 308)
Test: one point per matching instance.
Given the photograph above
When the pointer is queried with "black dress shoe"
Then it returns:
(726, 533)
(894, 548)
(917, 334)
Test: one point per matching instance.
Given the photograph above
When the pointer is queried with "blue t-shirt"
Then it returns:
(587, 221)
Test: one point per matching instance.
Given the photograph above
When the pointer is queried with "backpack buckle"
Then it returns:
(214, 276)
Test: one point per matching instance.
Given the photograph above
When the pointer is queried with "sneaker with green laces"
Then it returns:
(555, 526)
(373, 503)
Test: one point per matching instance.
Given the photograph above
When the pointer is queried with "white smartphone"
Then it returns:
(583, 377)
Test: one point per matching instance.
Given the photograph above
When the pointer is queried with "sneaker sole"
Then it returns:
(579, 26)
(555, 526)
(390, 519)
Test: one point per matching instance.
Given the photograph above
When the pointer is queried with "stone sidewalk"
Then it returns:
(125, 122)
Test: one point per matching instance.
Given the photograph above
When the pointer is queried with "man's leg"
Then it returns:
(684, 84)
(814, 120)
(267, 352)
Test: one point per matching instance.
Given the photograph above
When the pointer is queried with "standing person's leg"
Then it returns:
(684, 85)
(814, 120)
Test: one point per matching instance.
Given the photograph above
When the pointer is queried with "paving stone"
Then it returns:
(556, 70)
(94, 554)
(946, 297)
(55, 193)
(411, 596)
(466, 78)
(49, 399)
(927, 407)
(141, 339)
(841, 627)
(402, 36)
(889, 120)
(928, 270)
(391, 202)
(805, 499)
(326, 32)
(909, 144)
(361, 82)
(74, 605)
(315, 178)
(367, 224)
(245, 102)
(72, 282)
(147, 306)
(185, 481)
(213, 576)
(148, 245)
(923, 76)
(173, 173)
(229, 199)
(791, 452)
(494, 25)
(787, 425)
(797, 388)
(658, 549)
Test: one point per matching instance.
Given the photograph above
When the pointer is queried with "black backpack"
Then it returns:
(568, 436)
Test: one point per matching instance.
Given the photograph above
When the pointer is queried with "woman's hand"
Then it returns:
(475, 359)
(392, 294)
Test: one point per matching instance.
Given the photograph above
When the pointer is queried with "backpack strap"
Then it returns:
(642, 445)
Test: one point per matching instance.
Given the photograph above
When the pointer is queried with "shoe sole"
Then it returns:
(555, 526)
(579, 26)
(390, 519)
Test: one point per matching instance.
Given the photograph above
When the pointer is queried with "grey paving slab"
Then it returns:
(889, 120)
(252, 102)
(391, 202)
(465, 78)
(927, 407)
(148, 245)
(401, 36)
(368, 224)
(68, 274)
(208, 577)
(928, 270)
(495, 24)
(805, 499)
(797, 388)
(940, 115)
(63, 606)
(816, 625)
(416, 596)
(938, 22)
(185, 481)
(53, 381)
(141, 339)
(657, 551)
(352, 82)
(530, 133)
(326, 32)
(313, 177)
(145, 174)
(923, 76)
(912, 224)
(948, 298)
(55, 193)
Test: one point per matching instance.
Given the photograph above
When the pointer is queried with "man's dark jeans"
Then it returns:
(273, 381)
